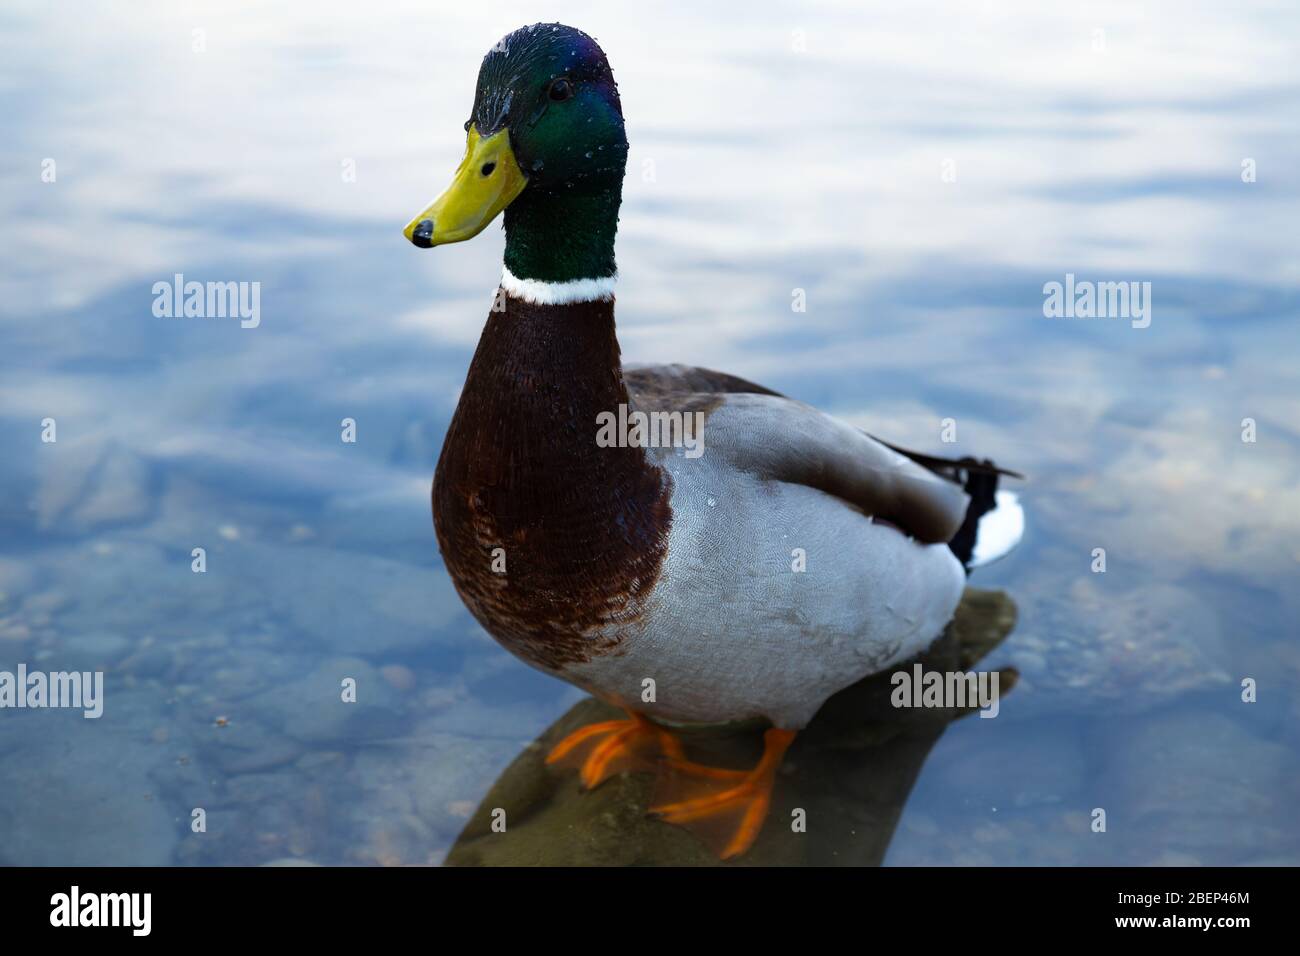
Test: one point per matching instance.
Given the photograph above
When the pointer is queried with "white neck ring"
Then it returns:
(537, 292)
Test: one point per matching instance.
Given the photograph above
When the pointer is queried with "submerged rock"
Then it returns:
(1201, 784)
(850, 771)
(1090, 647)
(87, 799)
(353, 603)
(319, 709)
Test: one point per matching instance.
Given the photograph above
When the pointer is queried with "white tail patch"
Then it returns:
(537, 292)
(999, 531)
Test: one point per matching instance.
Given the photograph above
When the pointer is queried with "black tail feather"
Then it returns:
(982, 486)
(952, 468)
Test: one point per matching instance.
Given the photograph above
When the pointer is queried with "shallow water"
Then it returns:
(919, 172)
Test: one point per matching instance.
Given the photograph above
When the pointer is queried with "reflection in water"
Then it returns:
(850, 772)
(755, 170)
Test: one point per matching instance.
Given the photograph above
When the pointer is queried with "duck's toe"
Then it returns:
(724, 808)
(610, 747)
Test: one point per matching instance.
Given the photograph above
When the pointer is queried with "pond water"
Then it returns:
(920, 172)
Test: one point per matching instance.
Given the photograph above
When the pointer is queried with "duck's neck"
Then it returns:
(548, 364)
(563, 235)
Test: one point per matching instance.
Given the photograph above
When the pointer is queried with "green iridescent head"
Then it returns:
(547, 146)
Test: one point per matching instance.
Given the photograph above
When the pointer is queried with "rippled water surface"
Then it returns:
(920, 171)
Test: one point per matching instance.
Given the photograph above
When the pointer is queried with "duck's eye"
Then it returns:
(561, 89)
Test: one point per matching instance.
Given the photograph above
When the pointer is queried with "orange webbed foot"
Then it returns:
(600, 751)
(725, 808)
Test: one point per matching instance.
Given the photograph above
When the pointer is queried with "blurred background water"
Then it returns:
(920, 170)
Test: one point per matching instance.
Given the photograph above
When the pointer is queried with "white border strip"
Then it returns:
(538, 292)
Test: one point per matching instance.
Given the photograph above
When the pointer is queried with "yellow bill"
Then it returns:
(487, 180)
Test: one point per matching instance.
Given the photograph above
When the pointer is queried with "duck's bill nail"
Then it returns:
(487, 180)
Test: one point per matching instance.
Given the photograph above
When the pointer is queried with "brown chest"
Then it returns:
(553, 542)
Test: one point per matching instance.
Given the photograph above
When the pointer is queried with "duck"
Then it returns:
(789, 557)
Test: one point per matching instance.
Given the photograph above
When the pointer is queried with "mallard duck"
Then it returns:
(667, 583)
